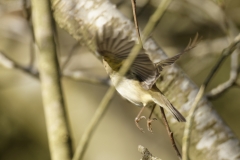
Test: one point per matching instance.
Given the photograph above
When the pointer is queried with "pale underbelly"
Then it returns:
(133, 91)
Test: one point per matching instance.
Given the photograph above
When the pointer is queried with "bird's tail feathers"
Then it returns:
(162, 101)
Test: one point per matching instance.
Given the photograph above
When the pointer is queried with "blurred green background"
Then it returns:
(23, 131)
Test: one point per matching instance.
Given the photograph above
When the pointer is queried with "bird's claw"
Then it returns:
(137, 119)
(149, 124)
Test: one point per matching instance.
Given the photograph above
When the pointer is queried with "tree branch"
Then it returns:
(58, 129)
(82, 77)
(69, 56)
(9, 63)
(220, 89)
(146, 155)
(136, 21)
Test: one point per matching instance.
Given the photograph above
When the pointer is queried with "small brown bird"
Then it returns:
(138, 85)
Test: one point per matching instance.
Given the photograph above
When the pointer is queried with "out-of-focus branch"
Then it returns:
(146, 155)
(9, 63)
(82, 77)
(55, 112)
(69, 56)
(27, 15)
(136, 21)
(225, 53)
(187, 131)
(229, 28)
(220, 89)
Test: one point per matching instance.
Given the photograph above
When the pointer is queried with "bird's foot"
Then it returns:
(149, 123)
(137, 119)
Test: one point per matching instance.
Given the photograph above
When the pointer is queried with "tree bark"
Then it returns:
(211, 138)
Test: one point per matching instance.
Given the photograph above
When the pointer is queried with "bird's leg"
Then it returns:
(139, 117)
(150, 119)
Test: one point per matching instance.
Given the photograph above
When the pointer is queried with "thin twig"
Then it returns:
(79, 76)
(220, 89)
(170, 133)
(69, 56)
(27, 14)
(9, 63)
(136, 21)
(146, 155)
(187, 131)
(141, 10)
(101, 110)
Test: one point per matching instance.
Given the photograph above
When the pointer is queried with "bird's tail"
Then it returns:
(162, 101)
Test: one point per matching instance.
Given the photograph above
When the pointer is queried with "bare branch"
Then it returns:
(79, 76)
(69, 56)
(9, 63)
(220, 89)
(146, 155)
(27, 15)
(58, 128)
(136, 21)
(225, 53)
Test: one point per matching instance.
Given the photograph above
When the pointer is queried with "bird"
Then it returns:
(138, 85)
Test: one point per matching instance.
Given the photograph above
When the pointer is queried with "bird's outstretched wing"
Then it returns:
(171, 60)
(115, 48)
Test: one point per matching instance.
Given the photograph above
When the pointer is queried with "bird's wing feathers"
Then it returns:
(116, 48)
(171, 60)
(145, 70)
